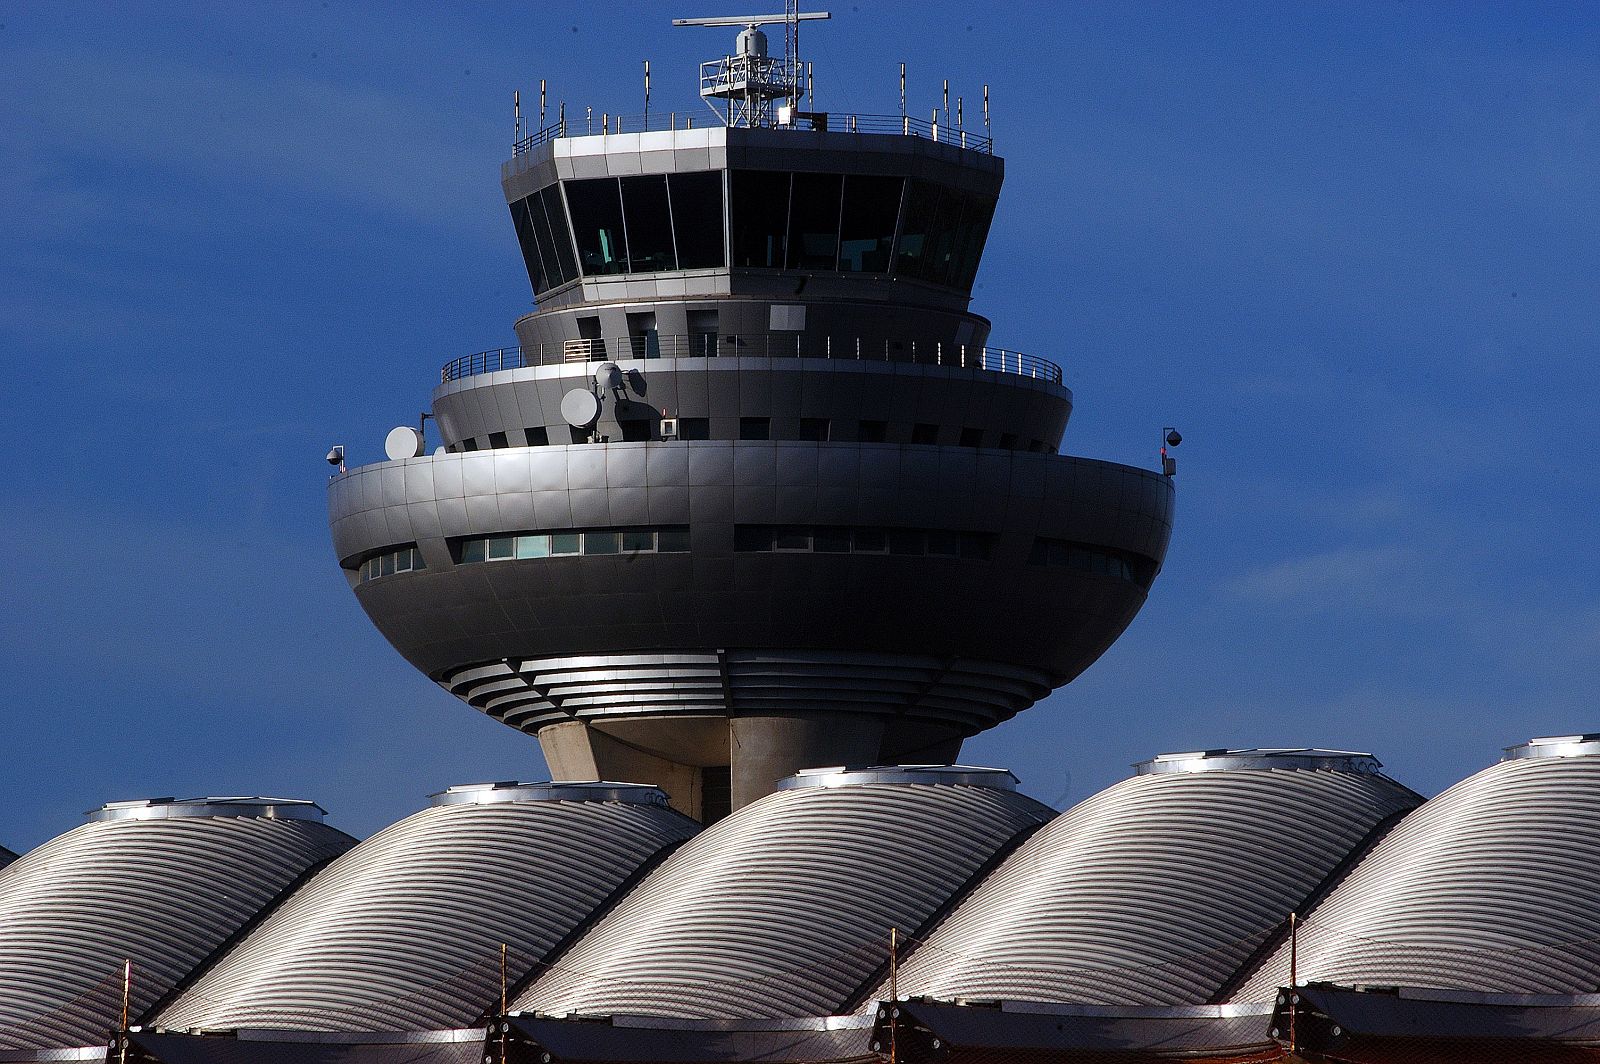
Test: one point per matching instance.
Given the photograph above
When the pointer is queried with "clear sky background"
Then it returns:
(1352, 250)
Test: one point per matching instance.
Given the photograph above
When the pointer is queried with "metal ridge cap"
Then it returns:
(1257, 758)
(549, 791)
(1577, 745)
(169, 808)
(924, 775)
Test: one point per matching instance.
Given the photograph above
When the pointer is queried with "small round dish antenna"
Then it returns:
(404, 442)
(580, 408)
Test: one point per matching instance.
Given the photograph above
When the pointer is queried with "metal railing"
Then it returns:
(763, 345)
(593, 122)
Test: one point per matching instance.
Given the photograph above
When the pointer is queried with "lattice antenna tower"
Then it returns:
(741, 88)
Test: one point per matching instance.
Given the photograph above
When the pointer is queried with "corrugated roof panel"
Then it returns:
(784, 908)
(1155, 890)
(404, 931)
(1490, 887)
(165, 893)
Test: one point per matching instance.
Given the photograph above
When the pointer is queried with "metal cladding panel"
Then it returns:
(784, 908)
(163, 893)
(404, 931)
(1490, 887)
(1154, 891)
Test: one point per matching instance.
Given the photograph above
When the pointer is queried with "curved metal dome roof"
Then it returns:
(784, 908)
(404, 931)
(1489, 888)
(165, 889)
(1156, 890)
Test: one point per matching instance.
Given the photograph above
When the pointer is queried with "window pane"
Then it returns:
(760, 217)
(906, 541)
(814, 428)
(974, 233)
(831, 541)
(672, 541)
(940, 251)
(416, 559)
(644, 205)
(866, 231)
(530, 247)
(868, 540)
(755, 428)
(793, 537)
(556, 212)
(599, 543)
(501, 547)
(636, 540)
(597, 223)
(814, 222)
(694, 428)
(697, 219)
(547, 246)
(472, 550)
(388, 565)
(564, 543)
(752, 537)
(922, 201)
(944, 544)
(533, 546)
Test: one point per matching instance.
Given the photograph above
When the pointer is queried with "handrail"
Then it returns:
(593, 123)
(761, 345)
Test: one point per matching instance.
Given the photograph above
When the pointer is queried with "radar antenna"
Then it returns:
(748, 81)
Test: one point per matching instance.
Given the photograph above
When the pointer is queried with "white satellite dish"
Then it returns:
(404, 442)
(580, 408)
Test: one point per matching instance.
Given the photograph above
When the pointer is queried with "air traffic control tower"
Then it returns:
(755, 493)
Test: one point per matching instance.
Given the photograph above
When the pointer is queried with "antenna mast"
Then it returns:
(749, 80)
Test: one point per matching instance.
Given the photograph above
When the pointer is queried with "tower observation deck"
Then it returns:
(755, 493)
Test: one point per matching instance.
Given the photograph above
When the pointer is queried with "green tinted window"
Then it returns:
(597, 223)
(866, 227)
(760, 217)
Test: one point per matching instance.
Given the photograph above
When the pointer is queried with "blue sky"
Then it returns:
(1352, 250)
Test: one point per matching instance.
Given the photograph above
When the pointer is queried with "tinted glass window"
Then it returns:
(697, 219)
(564, 543)
(869, 540)
(866, 228)
(547, 247)
(760, 217)
(556, 213)
(974, 232)
(831, 541)
(649, 220)
(530, 247)
(755, 428)
(597, 224)
(599, 543)
(533, 546)
(922, 203)
(814, 222)
(940, 250)
(672, 540)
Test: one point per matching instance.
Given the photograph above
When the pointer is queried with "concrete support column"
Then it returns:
(765, 749)
(577, 753)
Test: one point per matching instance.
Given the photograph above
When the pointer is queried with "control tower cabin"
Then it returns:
(755, 493)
